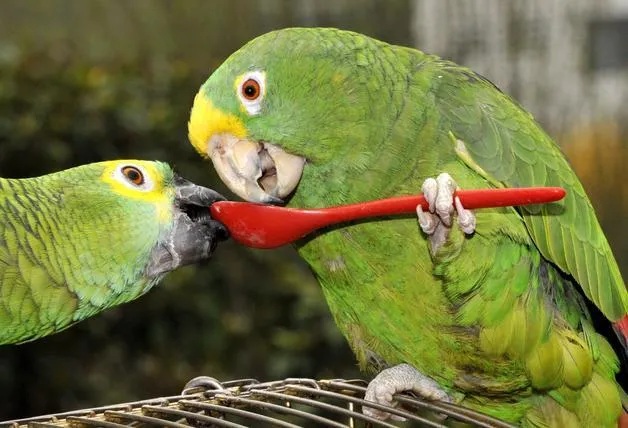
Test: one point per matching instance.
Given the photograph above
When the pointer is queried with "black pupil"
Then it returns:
(134, 175)
(250, 91)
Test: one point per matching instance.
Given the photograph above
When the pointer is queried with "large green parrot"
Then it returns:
(79, 241)
(483, 308)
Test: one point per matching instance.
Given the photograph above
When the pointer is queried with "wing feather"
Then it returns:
(510, 146)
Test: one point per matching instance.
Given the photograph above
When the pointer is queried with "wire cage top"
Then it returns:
(291, 402)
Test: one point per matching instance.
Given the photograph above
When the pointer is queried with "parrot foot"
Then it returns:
(437, 222)
(402, 377)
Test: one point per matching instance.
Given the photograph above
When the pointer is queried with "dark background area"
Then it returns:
(82, 82)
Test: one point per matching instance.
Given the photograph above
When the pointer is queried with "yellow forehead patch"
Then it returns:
(153, 192)
(207, 121)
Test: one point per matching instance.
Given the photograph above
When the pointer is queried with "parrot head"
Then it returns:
(154, 217)
(81, 240)
(292, 106)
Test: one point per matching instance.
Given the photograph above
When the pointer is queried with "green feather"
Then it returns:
(70, 246)
(495, 317)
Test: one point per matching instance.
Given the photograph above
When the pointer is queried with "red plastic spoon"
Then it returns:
(269, 226)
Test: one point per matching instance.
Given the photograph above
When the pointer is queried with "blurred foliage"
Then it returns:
(86, 81)
(152, 32)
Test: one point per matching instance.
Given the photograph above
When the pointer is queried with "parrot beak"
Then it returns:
(188, 193)
(194, 234)
(194, 201)
(254, 170)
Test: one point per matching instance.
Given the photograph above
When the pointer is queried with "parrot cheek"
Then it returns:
(254, 170)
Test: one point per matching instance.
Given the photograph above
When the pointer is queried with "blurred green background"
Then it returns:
(84, 81)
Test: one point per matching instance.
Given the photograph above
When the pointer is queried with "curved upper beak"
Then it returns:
(188, 193)
(257, 171)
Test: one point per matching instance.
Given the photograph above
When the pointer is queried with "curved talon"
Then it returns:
(402, 377)
(445, 198)
(466, 218)
(426, 220)
(430, 190)
(201, 382)
(443, 206)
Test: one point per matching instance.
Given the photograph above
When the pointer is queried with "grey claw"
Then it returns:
(466, 218)
(445, 198)
(439, 194)
(402, 377)
(430, 190)
(427, 221)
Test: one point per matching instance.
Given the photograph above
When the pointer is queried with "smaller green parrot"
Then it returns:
(79, 241)
(508, 311)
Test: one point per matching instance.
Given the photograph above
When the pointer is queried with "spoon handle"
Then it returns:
(470, 199)
(268, 226)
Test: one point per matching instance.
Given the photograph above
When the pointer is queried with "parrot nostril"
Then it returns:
(196, 213)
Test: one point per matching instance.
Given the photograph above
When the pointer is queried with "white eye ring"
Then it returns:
(134, 177)
(252, 81)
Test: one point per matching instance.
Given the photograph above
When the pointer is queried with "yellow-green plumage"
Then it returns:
(76, 242)
(497, 318)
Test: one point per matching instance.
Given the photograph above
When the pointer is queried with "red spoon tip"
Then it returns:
(268, 226)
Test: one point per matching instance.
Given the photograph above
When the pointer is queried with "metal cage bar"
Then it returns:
(286, 403)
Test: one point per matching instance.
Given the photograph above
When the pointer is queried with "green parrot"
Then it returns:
(79, 241)
(495, 309)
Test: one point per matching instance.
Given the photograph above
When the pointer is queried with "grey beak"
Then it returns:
(194, 234)
(189, 193)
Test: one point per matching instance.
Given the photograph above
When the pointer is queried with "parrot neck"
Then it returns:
(332, 185)
(365, 176)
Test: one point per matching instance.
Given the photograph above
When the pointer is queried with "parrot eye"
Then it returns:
(251, 91)
(133, 175)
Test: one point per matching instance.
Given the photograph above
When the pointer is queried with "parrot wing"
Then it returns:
(503, 142)
(34, 301)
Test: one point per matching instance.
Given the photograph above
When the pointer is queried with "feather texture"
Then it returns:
(497, 319)
(72, 245)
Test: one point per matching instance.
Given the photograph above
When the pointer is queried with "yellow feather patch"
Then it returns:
(577, 360)
(207, 121)
(544, 365)
(154, 192)
(599, 404)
